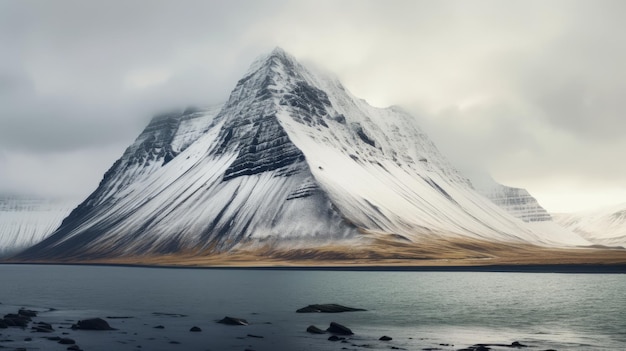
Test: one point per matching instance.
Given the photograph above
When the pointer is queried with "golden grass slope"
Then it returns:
(386, 250)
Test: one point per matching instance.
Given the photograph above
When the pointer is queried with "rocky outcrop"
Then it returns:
(327, 308)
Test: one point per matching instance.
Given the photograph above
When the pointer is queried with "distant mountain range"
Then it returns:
(291, 162)
(604, 227)
(26, 220)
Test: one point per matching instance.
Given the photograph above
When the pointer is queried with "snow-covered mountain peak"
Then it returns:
(292, 159)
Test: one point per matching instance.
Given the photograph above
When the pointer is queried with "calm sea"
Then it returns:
(419, 310)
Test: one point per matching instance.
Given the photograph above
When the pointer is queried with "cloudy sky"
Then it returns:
(530, 91)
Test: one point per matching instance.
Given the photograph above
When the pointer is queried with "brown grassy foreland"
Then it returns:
(382, 252)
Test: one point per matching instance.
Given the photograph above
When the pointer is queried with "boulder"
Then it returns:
(195, 329)
(233, 321)
(315, 330)
(385, 338)
(327, 308)
(92, 324)
(336, 328)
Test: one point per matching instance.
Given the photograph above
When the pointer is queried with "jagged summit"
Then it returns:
(292, 159)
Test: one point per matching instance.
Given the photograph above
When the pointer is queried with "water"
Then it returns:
(418, 309)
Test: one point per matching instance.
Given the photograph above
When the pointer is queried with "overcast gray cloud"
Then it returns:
(529, 90)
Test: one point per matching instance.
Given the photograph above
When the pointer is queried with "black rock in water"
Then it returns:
(42, 327)
(335, 338)
(315, 330)
(16, 320)
(67, 341)
(233, 321)
(159, 327)
(328, 308)
(336, 328)
(27, 313)
(3, 324)
(92, 324)
(385, 338)
(195, 329)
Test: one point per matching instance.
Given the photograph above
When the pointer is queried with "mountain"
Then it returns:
(603, 227)
(516, 201)
(26, 220)
(291, 160)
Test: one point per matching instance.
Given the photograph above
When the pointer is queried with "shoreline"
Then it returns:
(498, 268)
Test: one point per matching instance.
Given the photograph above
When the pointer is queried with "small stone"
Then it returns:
(74, 348)
(159, 327)
(334, 338)
(195, 329)
(255, 336)
(385, 338)
(518, 344)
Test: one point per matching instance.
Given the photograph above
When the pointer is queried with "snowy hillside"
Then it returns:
(25, 221)
(291, 159)
(602, 227)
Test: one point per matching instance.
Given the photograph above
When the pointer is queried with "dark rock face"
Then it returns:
(327, 308)
(314, 330)
(92, 324)
(264, 145)
(336, 328)
(233, 321)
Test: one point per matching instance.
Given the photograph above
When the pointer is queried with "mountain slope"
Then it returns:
(25, 221)
(290, 160)
(604, 227)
